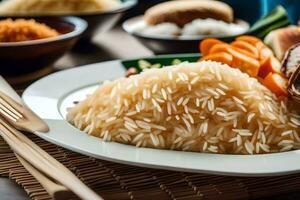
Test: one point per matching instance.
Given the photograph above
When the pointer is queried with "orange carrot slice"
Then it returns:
(249, 39)
(226, 48)
(245, 52)
(265, 52)
(217, 48)
(207, 44)
(259, 45)
(242, 45)
(270, 64)
(245, 63)
(276, 83)
(221, 57)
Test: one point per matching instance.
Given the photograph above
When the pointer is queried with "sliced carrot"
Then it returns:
(261, 80)
(270, 64)
(226, 48)
(249, 39)
(265, 52)
(276, 83)
(259, 45)
(245, 63)
(207, 44)
(245, 46)
(245, 52)
(221, 57)
(220, 48)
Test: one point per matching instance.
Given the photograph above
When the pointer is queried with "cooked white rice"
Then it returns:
(162, 29)
(17, 7)
(198, 27)
(211, 27)
(202, 107)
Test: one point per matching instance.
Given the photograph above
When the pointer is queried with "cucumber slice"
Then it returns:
(277, 25)
(277, 18)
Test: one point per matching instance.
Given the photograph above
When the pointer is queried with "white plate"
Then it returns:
(50, 96)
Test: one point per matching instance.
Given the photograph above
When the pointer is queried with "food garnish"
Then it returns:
(221, 57)
(131, 71)
(270, 64)
(249, 39)
(245, 46)
(207, 44)
(276, 83)
(277, 18)
(250, 55)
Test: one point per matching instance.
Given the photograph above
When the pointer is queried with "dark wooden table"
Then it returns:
(115, 44)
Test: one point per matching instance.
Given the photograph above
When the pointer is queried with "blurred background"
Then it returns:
(250, 10)
(106, 37)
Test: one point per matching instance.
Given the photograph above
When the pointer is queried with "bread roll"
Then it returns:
(280, 40)
(182, 12)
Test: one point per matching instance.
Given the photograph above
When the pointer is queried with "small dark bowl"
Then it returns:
(168, 44)
(17, 58)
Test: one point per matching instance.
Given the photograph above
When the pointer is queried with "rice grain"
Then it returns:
(210, 108)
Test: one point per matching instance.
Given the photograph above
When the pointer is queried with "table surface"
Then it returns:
(115, 44)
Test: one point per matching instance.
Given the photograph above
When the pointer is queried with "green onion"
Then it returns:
(144, 64)
(176, 62)
(157, 65)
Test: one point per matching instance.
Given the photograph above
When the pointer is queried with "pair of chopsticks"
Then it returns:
(18, 146)
(57, 180)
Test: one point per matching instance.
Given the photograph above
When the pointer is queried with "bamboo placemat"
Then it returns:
(117, 181)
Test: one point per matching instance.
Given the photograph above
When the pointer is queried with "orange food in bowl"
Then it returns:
(24, 30)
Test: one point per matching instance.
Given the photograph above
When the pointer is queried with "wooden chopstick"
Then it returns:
(56, 191)
(43, 162)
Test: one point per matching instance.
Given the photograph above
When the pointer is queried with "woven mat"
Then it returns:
(117, 182)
